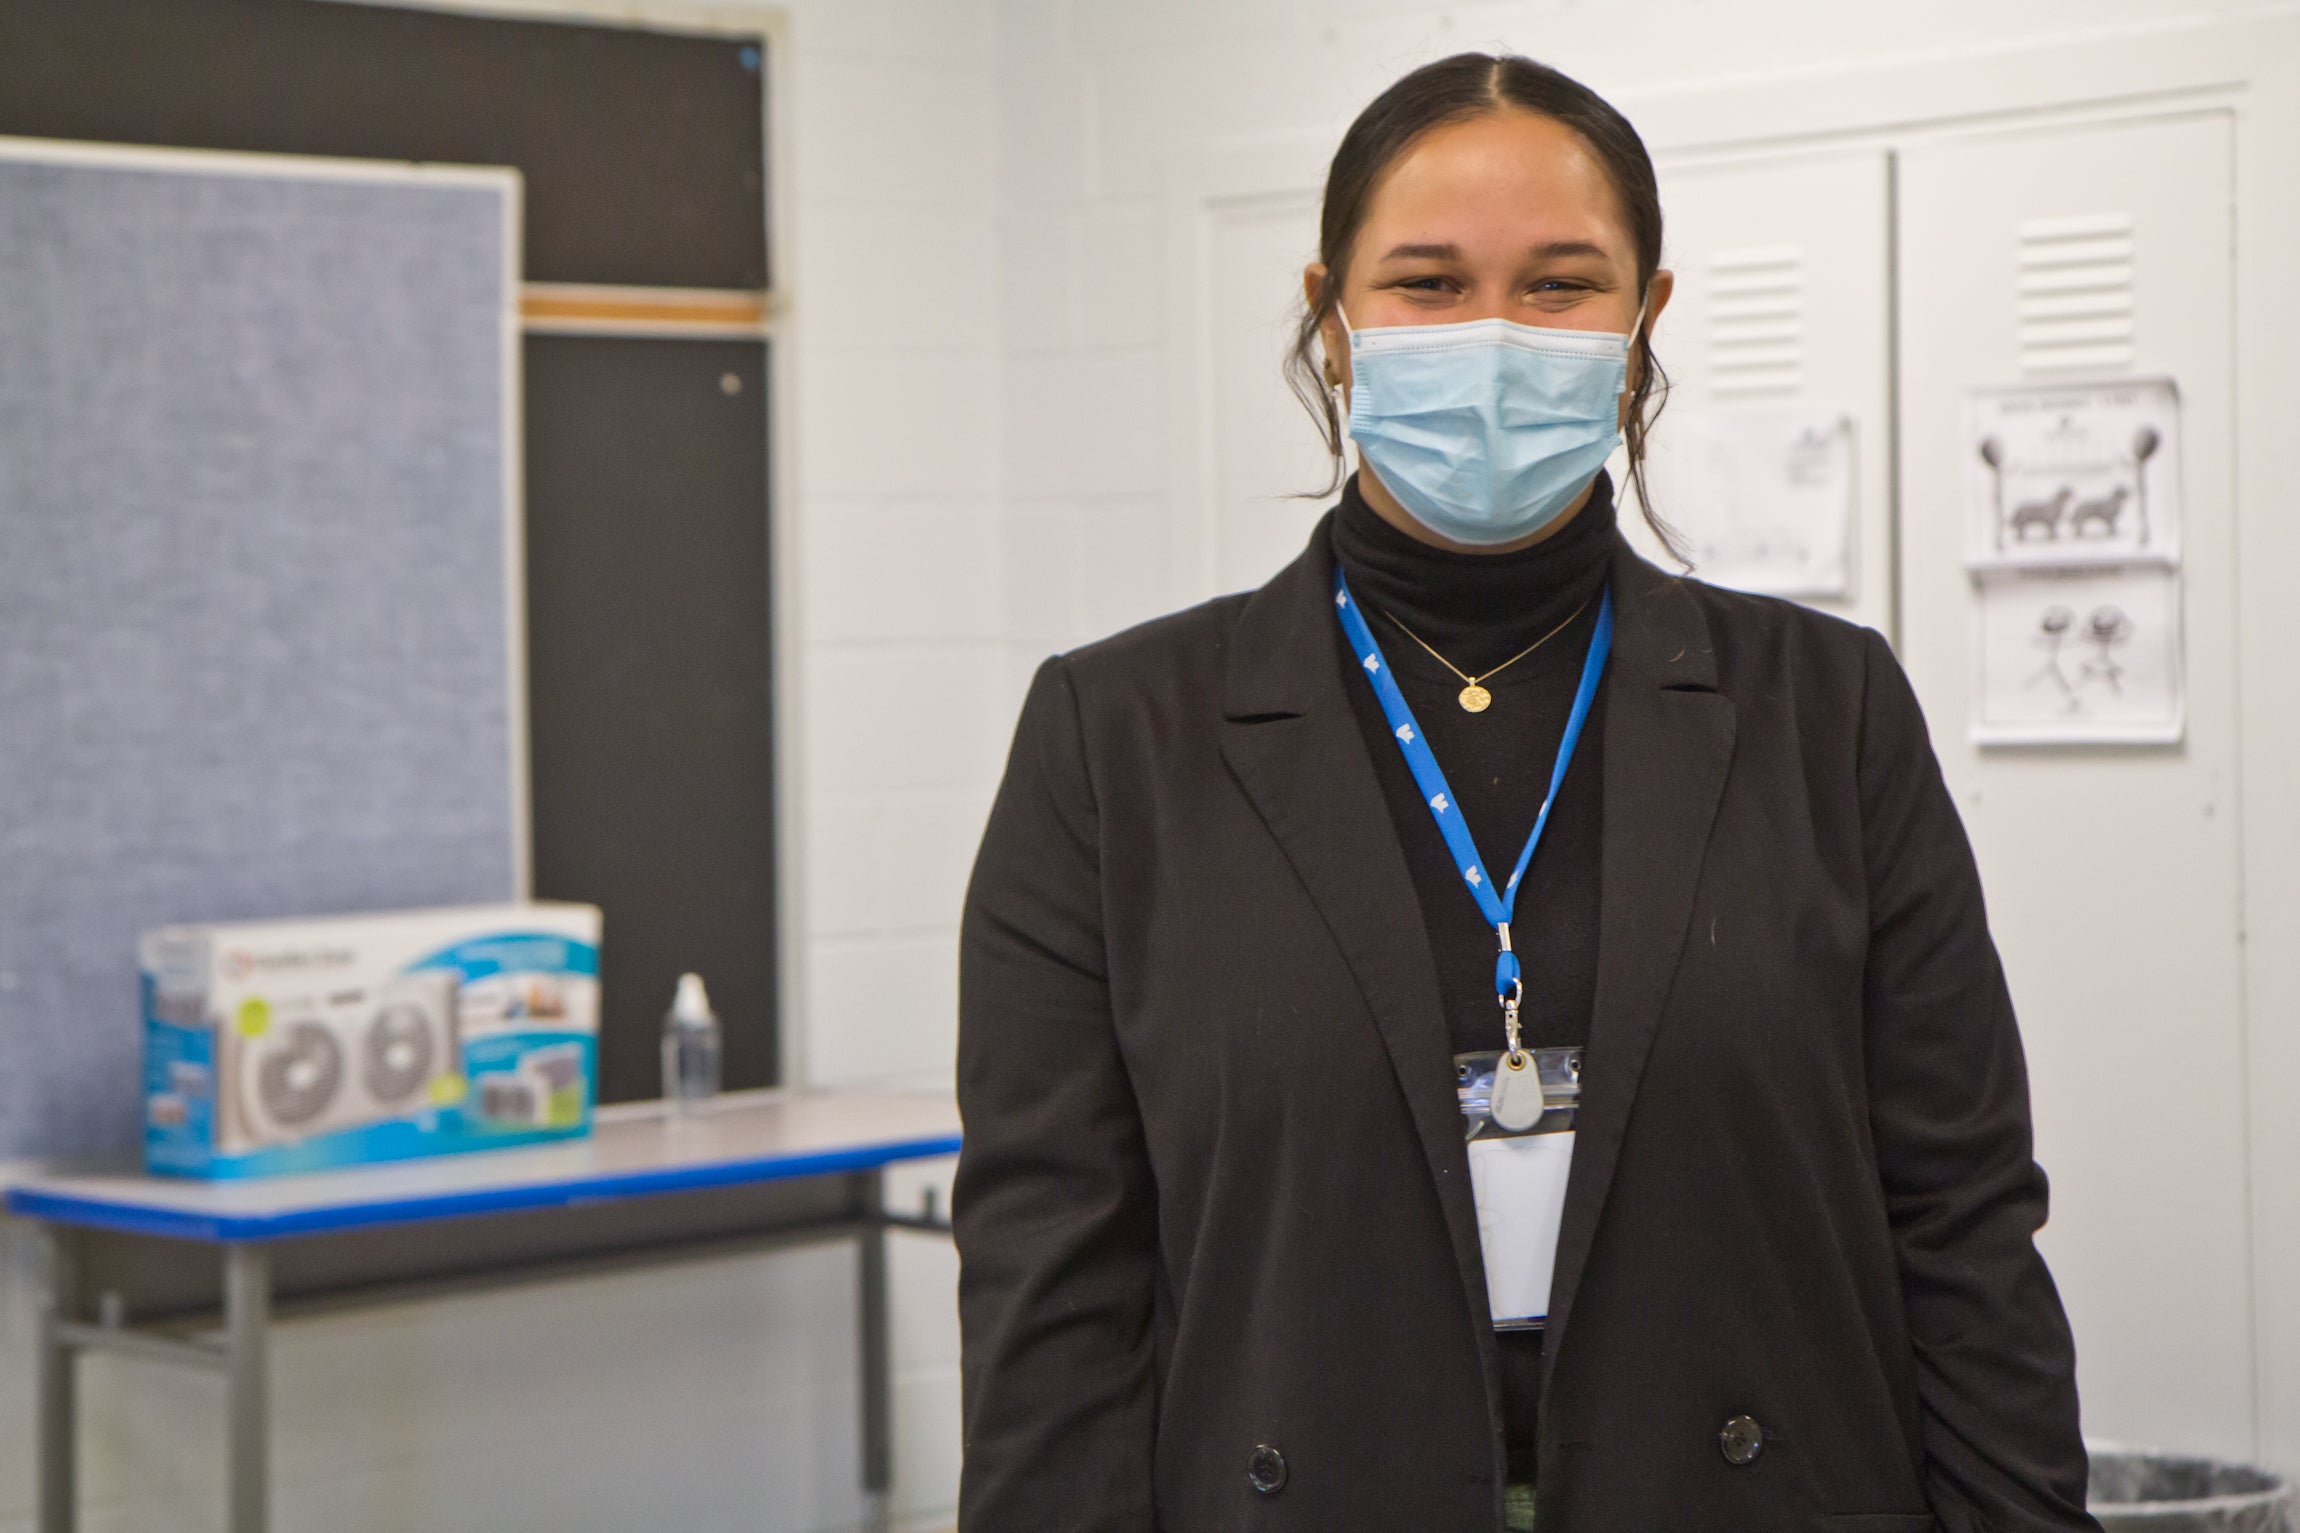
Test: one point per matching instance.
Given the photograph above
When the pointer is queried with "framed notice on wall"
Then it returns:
(1764, 495)
(2073, 543)
(2078, 656)
(2068, 474)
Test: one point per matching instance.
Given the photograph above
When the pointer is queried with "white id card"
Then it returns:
(1518, 1177)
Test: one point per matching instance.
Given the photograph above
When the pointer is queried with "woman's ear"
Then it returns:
(1331, 339)
(1657, 293)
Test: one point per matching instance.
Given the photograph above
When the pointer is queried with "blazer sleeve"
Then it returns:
(1053, 1208)
(1949, 1109)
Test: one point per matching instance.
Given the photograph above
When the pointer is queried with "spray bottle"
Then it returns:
(690, 1048)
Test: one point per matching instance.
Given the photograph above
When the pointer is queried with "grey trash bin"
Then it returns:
(2137, 1491)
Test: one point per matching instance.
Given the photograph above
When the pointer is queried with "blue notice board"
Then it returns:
(259, 564)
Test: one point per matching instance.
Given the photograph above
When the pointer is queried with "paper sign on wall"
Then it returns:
(2072, 534)
(2073, 474)
(2077, 656)
(1764, 496)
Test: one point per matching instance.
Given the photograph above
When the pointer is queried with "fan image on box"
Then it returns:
(545, 1089)
(348, 1060)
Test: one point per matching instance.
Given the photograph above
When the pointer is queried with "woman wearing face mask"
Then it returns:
(1309, 921)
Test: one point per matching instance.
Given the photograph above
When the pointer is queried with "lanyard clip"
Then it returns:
(1509, 985)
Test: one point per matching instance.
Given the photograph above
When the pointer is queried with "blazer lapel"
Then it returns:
(1668, 745)
(1294, 745)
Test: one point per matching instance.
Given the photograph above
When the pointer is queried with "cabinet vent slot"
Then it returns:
(1757, 321)
(2075, 297)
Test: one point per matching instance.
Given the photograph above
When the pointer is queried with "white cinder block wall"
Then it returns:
(984, 373)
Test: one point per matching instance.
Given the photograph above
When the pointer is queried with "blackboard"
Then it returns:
(643, 151)
(653, 731)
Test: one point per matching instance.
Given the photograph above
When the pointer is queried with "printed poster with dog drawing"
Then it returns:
(2073, 474)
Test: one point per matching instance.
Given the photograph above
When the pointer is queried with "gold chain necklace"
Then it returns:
(1474, 698)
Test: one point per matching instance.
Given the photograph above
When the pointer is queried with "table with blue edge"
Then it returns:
(756, 1170)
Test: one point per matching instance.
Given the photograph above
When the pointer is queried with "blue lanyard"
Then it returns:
(1494, 905)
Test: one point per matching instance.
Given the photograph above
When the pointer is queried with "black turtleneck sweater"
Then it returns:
(1477, 610)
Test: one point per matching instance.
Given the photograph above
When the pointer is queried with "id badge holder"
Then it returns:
(1520, 1151)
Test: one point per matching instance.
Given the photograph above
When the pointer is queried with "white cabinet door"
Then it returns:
(2112, 872)
(1782, 309)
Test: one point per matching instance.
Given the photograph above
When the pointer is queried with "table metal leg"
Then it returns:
(58, 1387)
(247, 1384)
(877, 1358)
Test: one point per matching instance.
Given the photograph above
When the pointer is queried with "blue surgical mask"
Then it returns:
(1486, 430)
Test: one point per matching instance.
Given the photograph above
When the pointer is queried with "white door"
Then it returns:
(2112, 871)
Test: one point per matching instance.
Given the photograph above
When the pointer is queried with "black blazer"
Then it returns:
(1214, 1197)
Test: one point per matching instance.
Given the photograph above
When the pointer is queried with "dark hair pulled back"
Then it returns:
(1451, 90)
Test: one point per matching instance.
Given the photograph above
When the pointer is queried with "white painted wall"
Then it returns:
(999, 411)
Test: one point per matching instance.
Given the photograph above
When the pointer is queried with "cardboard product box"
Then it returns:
(285, 1046)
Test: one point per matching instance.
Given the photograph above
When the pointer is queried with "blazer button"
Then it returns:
(1741, 1441)
(1266, 1470)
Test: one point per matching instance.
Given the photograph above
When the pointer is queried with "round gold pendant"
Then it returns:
(1475, 699)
